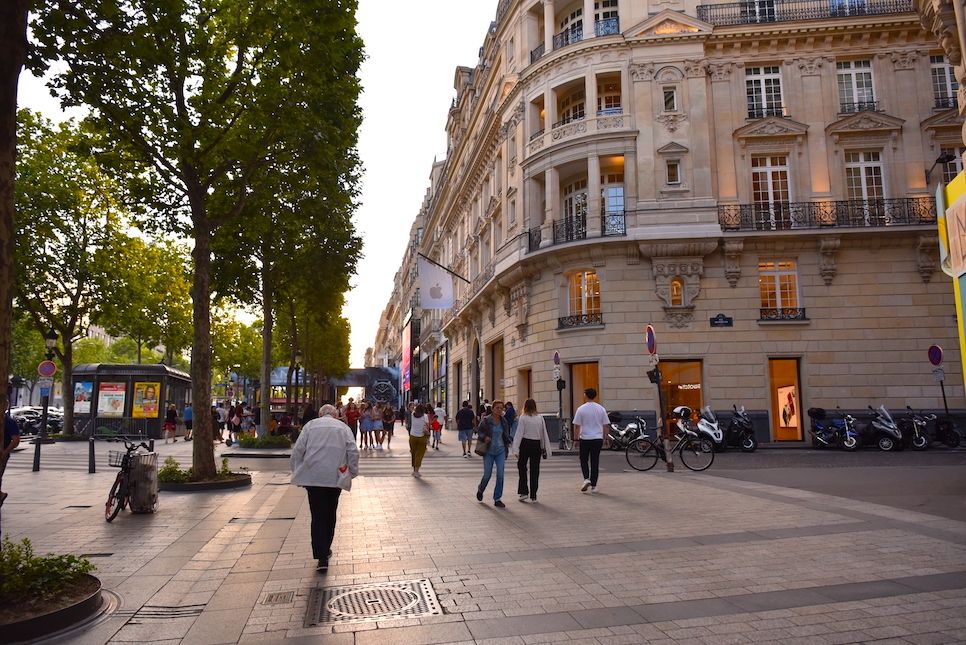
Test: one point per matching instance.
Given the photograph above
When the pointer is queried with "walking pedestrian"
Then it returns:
(222, 421)
(11, 439)
(388, 423)
(419, 437)
(171, 422)
(466, 426)
(365, 426)
(530, 444)
(324, 459)
(377, 427)
(352, 417)
(590, 419)
(188, 416)
(493, 430)
(439, 418)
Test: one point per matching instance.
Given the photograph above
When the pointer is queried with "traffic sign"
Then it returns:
(556, 358)
(936, 355)
(47, 368)
(45, 381)
(651, 340)
(556, 372)
(938, 374)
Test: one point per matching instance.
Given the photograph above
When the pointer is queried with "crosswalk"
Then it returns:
(445, 462)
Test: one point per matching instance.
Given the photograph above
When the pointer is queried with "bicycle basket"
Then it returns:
(116, 458)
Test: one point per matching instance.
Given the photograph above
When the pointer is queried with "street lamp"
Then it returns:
(944, 158)
(50, 340)
(298, 368)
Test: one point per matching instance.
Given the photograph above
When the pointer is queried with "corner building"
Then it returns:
(755, 180)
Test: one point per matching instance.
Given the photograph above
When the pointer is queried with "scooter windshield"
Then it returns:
(708, 414)
(885, 414)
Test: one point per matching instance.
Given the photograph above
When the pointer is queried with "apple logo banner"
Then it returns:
(436, 284)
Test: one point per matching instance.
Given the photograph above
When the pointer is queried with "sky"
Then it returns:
(407, 79)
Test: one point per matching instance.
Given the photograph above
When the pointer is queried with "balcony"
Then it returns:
(858, 106)
(607, 27)
(613, 223)
(614, 111)
(568, 37)
(537, 134)
(570, 229)
(584, 320)
(947, 102)
(762, 112)
(569, 119)
(537, 54)
(783, 313)
(856, 213)
(766, 11)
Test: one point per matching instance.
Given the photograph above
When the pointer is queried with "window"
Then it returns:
(608, 99)
(571, 29)
(677, 292)
(954, 167)
(572, 108)
(778, 284)
(855, 86)
(763, 86)
(606, 20)
(863, 175)
(944, 85)
(670, 99)
(770, 192)
(673, 173)
(512, 212)
(584, 294)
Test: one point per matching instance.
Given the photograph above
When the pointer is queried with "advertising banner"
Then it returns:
(146, 400)
(83, 393)
(406, 357)
(110, 400)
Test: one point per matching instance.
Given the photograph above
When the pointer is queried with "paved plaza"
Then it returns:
(656, 557)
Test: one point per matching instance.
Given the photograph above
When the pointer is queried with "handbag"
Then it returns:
(345, 477)
(235, 420)
(481, 447)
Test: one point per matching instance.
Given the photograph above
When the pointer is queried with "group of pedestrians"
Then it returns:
(375, 422)
(325, 457)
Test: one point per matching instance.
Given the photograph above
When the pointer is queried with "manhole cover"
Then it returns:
(365, 603)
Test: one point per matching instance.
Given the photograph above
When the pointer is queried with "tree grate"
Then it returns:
(372, 602)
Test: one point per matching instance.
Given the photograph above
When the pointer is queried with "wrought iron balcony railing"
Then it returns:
(614, 111)
(583, 320)
(783, 313)
(538, 133)
(568, 37)
(858, 106)
(856, 213)
(537, 53)
(947, 102)
(607, 27)
(613, 223)
(764, 11)
(762, 112)
(569, 119)
(570, 228)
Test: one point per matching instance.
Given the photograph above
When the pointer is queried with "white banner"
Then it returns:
(435, 286)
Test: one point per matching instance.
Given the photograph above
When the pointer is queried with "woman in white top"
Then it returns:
(531, 443)
(418, 437)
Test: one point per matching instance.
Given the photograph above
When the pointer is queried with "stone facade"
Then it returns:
(675, 162)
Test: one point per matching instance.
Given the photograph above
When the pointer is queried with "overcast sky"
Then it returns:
(413, 50)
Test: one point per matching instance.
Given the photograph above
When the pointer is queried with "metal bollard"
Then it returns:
(37, 455)
(150, 445)
(91, 467)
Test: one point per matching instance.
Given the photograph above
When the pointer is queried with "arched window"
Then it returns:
(584, 294)
(677, 292)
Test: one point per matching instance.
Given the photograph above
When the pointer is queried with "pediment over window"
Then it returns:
(945, 127)
(771, 133)
(865, 127)
(672, 149)
(668, 24)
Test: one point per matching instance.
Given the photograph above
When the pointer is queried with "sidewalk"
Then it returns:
(654, 558)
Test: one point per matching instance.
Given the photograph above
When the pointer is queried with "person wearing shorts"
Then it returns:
(466, 425)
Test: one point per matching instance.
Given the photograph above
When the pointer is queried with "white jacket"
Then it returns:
(324, 447)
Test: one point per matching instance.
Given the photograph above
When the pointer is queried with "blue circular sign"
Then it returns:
(47, 368)
(556, 358)
(936, 355)
(651, 340)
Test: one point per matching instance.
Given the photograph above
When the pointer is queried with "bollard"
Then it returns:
(37, 455)
(91, 467)
(150, 445)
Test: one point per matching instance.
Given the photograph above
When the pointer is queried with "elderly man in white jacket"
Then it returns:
(325, 459)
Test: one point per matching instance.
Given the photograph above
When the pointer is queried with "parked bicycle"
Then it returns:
(118, 498)
(643, 452)
(566, 435)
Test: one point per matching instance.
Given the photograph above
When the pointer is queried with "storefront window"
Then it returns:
(682, 384)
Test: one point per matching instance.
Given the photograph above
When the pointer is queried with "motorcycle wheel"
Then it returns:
(720, 447)
(850, 443)
(920, 442)
(707, 446)
(885, 443)
(951, 439)
(749, 443)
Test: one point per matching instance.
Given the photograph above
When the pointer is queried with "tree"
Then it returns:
(215, 96)
(67, 228)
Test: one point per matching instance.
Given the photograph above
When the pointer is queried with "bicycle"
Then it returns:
(117, 499)
(642, 452)
(566, 435)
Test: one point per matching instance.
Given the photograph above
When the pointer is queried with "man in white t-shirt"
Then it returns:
(590, 422)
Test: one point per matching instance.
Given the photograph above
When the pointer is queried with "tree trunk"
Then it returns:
(13, 53)
(267, 325)
(67, 362)
(203, 450)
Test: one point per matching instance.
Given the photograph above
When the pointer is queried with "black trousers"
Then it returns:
(590, 458)
(323, 503)
(530, 454)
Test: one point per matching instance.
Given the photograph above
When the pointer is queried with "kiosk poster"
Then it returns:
(110, 400)
(145, 400)
(82, 397)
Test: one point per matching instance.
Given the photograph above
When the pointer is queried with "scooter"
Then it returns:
(913, 428)
(740, 432)
(706, 427)
(881, 430)
(620, 438)
(833, 432)
(946, 432)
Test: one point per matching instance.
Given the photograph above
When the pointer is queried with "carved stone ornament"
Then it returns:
(810, 66)
(695, 68)
(512, 166)
(669, 74)
(641, 71)
(904, 60)
(939, 17)
(671, 121)
(679, 317)
(867, 122)
(927, 248)
(689, 270)
(720, 71)
(568, 130)
(610, 122)
(828, 246)
(733, 250)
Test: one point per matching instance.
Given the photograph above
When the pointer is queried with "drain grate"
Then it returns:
(367, 603)
(152, 613)
(279, 598)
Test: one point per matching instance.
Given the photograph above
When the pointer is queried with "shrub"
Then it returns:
(171, 473)
(279, 441)
(24, 577)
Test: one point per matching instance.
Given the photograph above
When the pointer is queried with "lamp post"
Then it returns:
(298, 368)
(46, 370)
(944, 158)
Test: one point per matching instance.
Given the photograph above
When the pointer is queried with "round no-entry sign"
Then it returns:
(651, 340)
(936, 355)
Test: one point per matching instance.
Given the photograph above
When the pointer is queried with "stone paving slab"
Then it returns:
(655, 558)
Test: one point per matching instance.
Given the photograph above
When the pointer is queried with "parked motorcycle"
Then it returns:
(913, 428)
(620, 438)
(706, 426)
(946, 432)
(881, 430)
(740, 432)
(833, 432)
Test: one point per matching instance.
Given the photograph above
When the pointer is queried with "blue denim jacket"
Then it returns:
(499, 443)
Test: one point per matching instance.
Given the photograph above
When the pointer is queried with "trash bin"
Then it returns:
(143, 488)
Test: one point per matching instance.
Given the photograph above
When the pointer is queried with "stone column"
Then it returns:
(593, 196)
(590, 91)
(552, 188)
(815, 106)
(589, 27)
(721, 88)
(549, 23)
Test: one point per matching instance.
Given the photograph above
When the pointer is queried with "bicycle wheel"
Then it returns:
(641, 455)
(568, 437)
(694, 456)
(115, 499)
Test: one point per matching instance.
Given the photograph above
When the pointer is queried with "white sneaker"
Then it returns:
(586, 485)
(593, 490)
(378, 447)
(523, 498)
